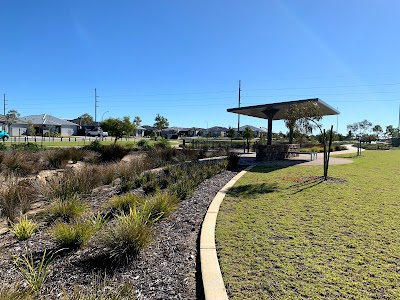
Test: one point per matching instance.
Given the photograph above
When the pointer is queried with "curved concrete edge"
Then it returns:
(213, 283)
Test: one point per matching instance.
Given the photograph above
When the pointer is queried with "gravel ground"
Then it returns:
(167, 269)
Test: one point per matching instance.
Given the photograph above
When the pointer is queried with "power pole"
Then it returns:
(95, 106)
(239, 107)
(4, 104)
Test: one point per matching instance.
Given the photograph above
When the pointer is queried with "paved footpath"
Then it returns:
(302, 159)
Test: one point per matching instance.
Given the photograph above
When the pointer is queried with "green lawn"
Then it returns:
(285, 234)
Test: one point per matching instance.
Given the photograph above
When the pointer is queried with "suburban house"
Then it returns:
(148, 130)
(174, 132)
(17, 127)
(45, 123)
(217, 131)
(139, 131)
(257, 131)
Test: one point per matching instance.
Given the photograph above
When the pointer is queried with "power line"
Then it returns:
(324, 87)
(325, 94)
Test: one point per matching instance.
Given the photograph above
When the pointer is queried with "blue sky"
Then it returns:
(183, 59)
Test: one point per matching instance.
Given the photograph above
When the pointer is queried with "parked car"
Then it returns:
(97, 132)
(4, 135)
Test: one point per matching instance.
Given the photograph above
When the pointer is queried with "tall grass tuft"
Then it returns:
(24, 228)
(15, 198)
(124, 203)
(160, 205)
(67, 209)
(130, 173)
(183, 189)
(108, 172)
(144, 145)
(58, 158)
(113, 152)
(72, 182)
(127, 235)
(35, 275)
(14, 293)
(19, 163)
(72, 235)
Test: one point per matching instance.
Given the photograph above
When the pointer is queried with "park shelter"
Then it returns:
(276, 111)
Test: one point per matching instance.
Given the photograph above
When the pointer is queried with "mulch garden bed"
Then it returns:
(166, 269)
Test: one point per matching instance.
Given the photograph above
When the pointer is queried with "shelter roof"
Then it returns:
(258, 111)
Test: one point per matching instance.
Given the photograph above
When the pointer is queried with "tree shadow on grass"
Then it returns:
(252, 189)
(305, 184)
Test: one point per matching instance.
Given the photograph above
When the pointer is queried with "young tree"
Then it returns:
(248, 134)
(137, 120)
(391, 131)
(304, 117)
(31, 129)
(117, 127)
(230, 133)
(11, 116)
(160, 123)
(86, 119)
(364, 126)
(378, 131)
(359, 129)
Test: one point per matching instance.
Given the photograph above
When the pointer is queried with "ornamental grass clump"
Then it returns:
(35, 274)
(127, 235)
(124, 203)
(144, 145)
(16, 198)
(57, 158)
(18, 163)
(151, 187)
(160, 205)
(108, 172)
(72, 235)
(72, 182)
(130, 173)
(113, 152)
(24, 228)
(183, 189)
(67, 209)
(14, 293)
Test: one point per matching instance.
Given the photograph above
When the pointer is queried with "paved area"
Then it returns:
(301, 160)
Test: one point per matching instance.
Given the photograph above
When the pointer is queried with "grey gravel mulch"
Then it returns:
(167, 269)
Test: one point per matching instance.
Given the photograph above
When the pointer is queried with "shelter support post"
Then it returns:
(270, 113)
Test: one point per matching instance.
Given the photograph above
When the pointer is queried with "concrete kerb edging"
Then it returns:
(214, 287)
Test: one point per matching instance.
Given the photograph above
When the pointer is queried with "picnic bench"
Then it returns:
(313, 154)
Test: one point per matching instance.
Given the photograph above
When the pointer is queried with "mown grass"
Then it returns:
(286, 234)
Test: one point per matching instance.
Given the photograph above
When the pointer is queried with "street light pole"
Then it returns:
(103, 115)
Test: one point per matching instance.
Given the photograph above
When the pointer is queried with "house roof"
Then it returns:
(254, 129)
(45, 119)
(175, 128)
(218, 128)
(258, 111)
